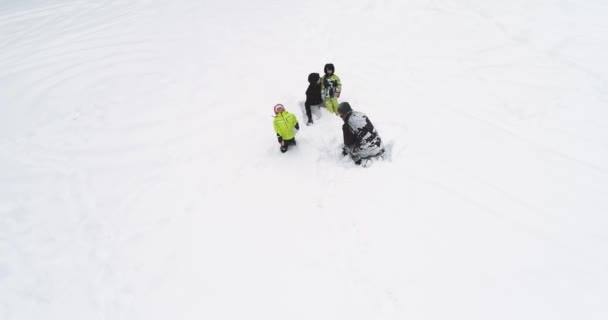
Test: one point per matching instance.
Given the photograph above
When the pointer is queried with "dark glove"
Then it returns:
(297, 126)
(344, 152)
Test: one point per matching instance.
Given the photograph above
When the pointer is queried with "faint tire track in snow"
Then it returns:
(353, 241)
(84, 170)
(73, 50)
(54, 27)
(520, 213)
(69, 47)
(86, 157)
(531, 142)
(444, 104)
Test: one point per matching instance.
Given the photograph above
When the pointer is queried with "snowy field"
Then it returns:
(140, 177)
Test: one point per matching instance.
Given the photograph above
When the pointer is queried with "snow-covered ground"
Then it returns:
(140, 177)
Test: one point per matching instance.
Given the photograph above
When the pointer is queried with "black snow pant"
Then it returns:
(308, 111)
(287, 143)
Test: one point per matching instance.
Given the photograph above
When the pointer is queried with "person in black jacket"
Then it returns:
(361, 140)
(313, 95)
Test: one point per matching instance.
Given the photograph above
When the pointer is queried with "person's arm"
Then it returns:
(347, 134)
(291, 118)
(338, 87)
(349, 139)
(276, 130)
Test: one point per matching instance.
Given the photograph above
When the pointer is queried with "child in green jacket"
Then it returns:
(331, 88)
(286, 126)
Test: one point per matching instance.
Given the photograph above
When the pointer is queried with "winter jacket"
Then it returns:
(330, 86)
(313, 93)
(361, 139)
(284, 124)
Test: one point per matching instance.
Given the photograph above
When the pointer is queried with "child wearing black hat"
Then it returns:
(331, 88)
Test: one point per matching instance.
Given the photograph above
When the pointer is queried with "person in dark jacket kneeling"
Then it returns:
(361, 140)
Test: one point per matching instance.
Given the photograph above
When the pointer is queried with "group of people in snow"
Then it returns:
(361, 140)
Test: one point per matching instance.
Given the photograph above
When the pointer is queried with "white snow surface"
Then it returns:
(140, 177)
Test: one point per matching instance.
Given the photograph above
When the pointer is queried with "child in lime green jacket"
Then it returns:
(286, 126)
(331, 88)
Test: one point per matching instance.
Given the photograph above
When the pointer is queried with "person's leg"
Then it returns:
(334, 105)
(287, 143)
(369, 152)
(355, 154)
(328, 104)
(308, 112)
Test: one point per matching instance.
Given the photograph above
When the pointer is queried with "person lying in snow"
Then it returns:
(286, 126)
(361, 140)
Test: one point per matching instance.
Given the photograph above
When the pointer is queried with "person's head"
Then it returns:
(313, 78)
(344, 109)
(329, 68)
(278, 108)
